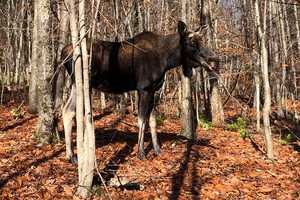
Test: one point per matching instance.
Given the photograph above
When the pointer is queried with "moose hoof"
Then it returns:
(141, 155)
(157, 151)
(73, 160)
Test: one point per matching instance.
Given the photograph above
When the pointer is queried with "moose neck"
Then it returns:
(171, 47)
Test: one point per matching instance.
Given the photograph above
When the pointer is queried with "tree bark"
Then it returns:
(20, 46)
(284, 60)
(263, 57)
(60, 71)
(85, 128)
(217, 112)
(33, 86)
(257, 98)
(77, 59)
(216, 106)
(297, 28)
(88, 155)
(187, 111)
(45, 128)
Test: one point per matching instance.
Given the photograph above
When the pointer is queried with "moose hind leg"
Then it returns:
(145, 107)
(152, 124)
(142, 125)
(68, 116)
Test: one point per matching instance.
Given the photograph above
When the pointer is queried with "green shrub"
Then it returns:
(160, 119)
(205, 123)
(287, 138)
(17, 113)
(240, 126)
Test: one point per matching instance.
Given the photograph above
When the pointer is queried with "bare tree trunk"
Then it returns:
(20, 46)
(217, 112)
(297, 27)
(263, 56)
(187, 111)
(33, 86)
(284, 60)
(89, 155)
(216, 106)
(257, 98)
(298, 46)
(45, 128)
(204, 91)
(60, 72)
(85, 131)
(141, 24)
(29, 38)
(78, 82)
(147, 25)
(102, 100)
(9, 46)
(139, 16)
(116, 19)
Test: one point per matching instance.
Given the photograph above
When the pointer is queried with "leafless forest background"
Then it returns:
(257, 88)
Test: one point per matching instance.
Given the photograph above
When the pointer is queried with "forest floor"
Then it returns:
(219, 164)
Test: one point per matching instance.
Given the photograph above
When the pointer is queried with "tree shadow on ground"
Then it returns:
(196, 182)
(287, 124)
(111, 135)
(295, 146)
(24, 165)
(256, 146)
(104, 113)
(17, 123)
(108, 136)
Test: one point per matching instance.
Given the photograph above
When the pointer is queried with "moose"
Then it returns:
(140, 64)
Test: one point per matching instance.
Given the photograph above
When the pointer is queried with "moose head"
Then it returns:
(194, 52)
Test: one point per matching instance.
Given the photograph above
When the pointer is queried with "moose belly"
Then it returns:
(114, 86)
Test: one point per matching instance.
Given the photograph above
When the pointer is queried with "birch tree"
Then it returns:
(88, 153)
(63, 32)
(263, 57)
(85, 130)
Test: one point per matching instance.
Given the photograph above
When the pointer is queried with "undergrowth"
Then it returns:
(239, 125)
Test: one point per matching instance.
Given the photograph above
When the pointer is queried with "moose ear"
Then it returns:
(182, 29)
(202, 30)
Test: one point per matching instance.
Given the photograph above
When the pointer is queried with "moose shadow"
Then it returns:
(110, 136)
(106, 136)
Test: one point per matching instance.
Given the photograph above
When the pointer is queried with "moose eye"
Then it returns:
(194, 43)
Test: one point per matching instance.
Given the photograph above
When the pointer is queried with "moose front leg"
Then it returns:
(68, 116)
(144, 109)
(152, 124)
